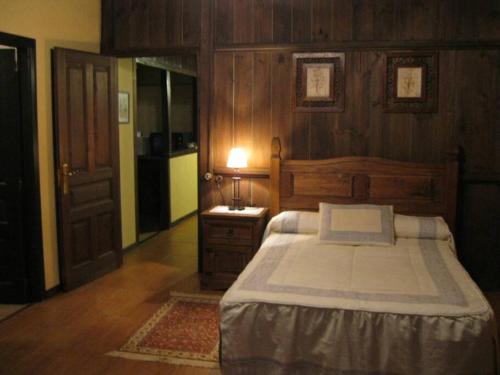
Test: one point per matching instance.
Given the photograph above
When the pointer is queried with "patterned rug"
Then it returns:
(184, 331)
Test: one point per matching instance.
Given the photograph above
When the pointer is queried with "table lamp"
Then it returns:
(237, 159)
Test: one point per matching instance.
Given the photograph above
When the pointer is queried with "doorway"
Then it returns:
(21, 252)
(166, 151)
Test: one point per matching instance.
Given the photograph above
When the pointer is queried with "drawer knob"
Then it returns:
(230, 232)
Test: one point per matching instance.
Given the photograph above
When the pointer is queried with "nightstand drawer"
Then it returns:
(229, 260)
(229, 231)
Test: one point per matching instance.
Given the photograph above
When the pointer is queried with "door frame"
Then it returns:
(32, 220)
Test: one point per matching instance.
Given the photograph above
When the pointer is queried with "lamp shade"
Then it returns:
(237, 158)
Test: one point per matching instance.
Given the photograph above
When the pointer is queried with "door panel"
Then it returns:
(86, 132)
(13, 275)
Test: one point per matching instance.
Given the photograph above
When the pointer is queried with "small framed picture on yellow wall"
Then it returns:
(123, 107)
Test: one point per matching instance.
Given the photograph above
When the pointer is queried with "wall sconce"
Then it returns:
(237, 160)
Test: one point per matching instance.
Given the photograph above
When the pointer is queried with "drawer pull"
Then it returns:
(230, 232)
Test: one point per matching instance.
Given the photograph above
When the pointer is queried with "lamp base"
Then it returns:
(236, 205)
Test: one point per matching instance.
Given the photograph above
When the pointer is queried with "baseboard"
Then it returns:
(53, 291)
(174, 223)
(129, 248)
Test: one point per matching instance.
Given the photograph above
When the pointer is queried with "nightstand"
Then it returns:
(230, 240)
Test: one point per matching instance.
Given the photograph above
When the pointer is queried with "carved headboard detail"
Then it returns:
(412, 188)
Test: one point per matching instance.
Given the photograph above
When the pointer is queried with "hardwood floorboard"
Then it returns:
(71, 332)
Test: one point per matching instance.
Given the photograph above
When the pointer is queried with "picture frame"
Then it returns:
(318, 82)
(411, 82)
(123, 107)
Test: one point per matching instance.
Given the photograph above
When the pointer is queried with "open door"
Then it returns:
(87, 161)
(13, 269)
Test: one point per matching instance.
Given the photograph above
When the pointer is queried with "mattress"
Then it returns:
(302, 307)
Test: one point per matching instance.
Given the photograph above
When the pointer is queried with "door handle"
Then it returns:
(66, 173)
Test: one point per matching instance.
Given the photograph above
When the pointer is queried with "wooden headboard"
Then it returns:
(411, 188)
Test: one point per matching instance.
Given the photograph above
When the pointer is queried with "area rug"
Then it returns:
(184, 331)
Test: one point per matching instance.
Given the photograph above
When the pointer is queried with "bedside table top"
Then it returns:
(224, 211)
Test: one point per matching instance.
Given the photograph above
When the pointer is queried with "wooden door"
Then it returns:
(13, 272)
(87, 162)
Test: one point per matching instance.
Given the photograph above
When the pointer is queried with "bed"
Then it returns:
(303, 307)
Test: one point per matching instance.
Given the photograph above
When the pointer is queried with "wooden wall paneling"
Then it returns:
(107, 26)
(281, 99)
(300, 139)
(243, 31)
(360, 73)
(261, 109)
(384, 19)
(282, 21)
(205, 69)
(321, 20)
(158, 23)
(224, 21)
(262, 21)
(320, 136)
(377, 115)
(191, 22)
(476, 106)
(260, 191)
(489, 11)
(362, 19)
(301, 21)
(221, 129)
(243, 102)
(424, 16)
(403, 22)
(138, 24)
(121, 18)
(481, 233)
(174, 22)
(342, 15)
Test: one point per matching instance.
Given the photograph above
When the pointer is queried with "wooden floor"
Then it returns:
(71, 332)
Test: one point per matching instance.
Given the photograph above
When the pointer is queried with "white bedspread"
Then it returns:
(301, 307)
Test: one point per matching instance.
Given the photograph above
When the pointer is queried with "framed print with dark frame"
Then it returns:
(411, 82)
(123, 107)
(318, 82)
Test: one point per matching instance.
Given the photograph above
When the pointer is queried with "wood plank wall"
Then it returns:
(253, 45)
(245, 49)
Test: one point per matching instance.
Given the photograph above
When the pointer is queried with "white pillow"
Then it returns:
(421, 227)
(356, 224)
(305, 222)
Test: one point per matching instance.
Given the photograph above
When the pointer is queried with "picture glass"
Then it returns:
(123, 107)
(318, 80)
(409, 82)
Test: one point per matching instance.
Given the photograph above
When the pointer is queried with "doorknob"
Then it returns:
(66, 172)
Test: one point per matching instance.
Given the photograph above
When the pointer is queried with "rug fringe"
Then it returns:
(196, 296)
(170, 360)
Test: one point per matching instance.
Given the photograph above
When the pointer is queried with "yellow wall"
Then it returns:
(127, 165)
(62, 23)
(183, 185)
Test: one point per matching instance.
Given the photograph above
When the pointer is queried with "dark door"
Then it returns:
(87, 160)
(13, 276)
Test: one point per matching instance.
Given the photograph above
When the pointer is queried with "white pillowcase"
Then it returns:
(304, 222)
(356, 224)
(421, 227)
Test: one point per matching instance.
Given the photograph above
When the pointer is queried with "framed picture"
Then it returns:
(411, 82)
(123, 107)
(318, 82)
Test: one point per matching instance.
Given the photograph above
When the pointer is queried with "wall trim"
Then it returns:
(362, 45)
